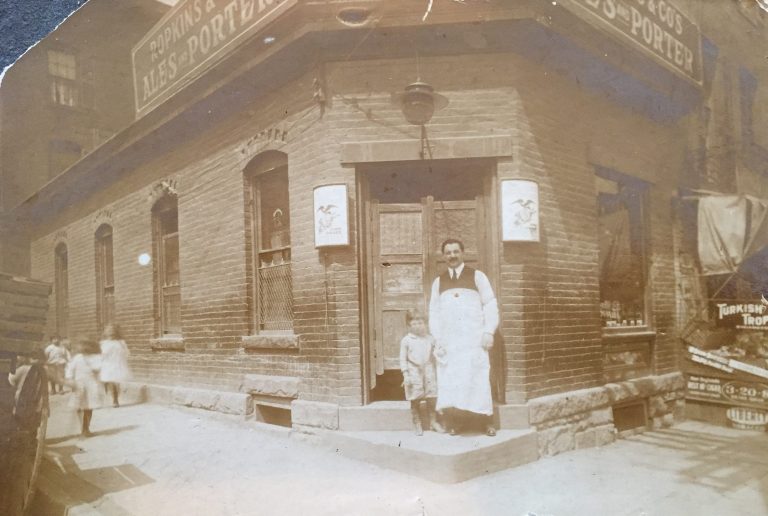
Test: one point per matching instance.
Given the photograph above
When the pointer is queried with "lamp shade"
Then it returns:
(419, 102)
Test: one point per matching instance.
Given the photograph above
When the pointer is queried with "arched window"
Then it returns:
(270, 254)
(165, 239)
(105, 284)
(61, 284)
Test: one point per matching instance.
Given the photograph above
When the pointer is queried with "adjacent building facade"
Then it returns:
(199, 228)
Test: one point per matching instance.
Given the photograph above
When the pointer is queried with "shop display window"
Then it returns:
(622, 231)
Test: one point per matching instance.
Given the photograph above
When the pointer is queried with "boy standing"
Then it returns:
(417, 362)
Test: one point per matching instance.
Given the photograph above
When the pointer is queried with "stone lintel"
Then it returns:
(271, 341)
(442, 148)
(175, 343)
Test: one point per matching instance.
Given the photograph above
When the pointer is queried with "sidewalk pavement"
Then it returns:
(157, 460)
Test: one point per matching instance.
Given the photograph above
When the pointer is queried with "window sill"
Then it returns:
(167, 343)
(628, 333)
(271, 341)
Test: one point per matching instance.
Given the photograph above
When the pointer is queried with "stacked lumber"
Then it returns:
(23, 313)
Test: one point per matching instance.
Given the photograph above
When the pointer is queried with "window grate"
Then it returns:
(275, 299)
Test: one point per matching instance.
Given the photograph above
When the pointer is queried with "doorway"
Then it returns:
(408, 210)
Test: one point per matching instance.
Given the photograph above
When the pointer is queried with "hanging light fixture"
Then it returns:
(419, 102)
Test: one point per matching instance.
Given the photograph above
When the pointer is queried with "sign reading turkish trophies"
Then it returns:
(519, 210)
(331, 216)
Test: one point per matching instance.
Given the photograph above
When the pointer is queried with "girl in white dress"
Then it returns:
(114, 355)
(83, 375)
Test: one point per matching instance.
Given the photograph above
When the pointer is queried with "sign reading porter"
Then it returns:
(191, 37)
(657, 27)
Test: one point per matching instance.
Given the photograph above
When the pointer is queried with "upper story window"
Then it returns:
(71, 79)
(105, 281)
(267, 181)
(61, 286)
(622, 237)
(165, 237)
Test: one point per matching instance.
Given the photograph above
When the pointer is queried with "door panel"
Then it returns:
(398, 265)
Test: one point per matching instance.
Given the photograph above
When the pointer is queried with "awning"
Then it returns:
(731, 229)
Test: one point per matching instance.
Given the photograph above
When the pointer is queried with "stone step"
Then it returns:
(396, 415)
(436, 457)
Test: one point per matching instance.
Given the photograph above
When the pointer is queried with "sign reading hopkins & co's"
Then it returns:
(656, 27)
(190, 38)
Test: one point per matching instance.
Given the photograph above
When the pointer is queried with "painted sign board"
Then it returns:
(733, 392)
(655, 27)
(742, 315)
(190, 38)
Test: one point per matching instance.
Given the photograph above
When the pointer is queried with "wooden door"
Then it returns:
(398, 245)
(405, 258)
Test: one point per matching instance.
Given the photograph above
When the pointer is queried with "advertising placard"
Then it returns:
(331, 216)
(519, 210)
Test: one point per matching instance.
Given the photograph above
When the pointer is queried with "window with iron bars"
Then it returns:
(270, 248)
(105, 284)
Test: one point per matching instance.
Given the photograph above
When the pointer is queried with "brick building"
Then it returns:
(195, 227)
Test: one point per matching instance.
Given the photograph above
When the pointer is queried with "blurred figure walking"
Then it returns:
(83, 373)
(114, 357)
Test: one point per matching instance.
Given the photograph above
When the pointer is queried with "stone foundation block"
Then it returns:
(132, 393)
(161, 394)
(218, 401)
(605, 435)
(586, 439)
(556, 440)
(268, 385)
(558, 406)
(656, 406)
(315, 414)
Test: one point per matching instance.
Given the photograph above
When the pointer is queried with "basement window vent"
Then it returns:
(631, 416)
(272, 415)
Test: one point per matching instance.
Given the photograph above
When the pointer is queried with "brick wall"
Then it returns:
(548, 291)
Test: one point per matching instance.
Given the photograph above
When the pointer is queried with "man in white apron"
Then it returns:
(463, 316)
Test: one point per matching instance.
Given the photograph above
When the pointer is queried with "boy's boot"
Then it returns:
(434, 424)
(416, 414)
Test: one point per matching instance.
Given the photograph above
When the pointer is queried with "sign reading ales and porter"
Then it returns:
(191, 37)
(657, 27)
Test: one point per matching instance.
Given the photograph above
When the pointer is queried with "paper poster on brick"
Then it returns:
(519, 210)
(331, 216)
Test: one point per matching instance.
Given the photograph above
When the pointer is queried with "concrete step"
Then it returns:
(436, 457)
(396, 415)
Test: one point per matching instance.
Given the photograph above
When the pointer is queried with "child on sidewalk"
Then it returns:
(114, 361)
(56, 359)
(83, 374)
(417, 362)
